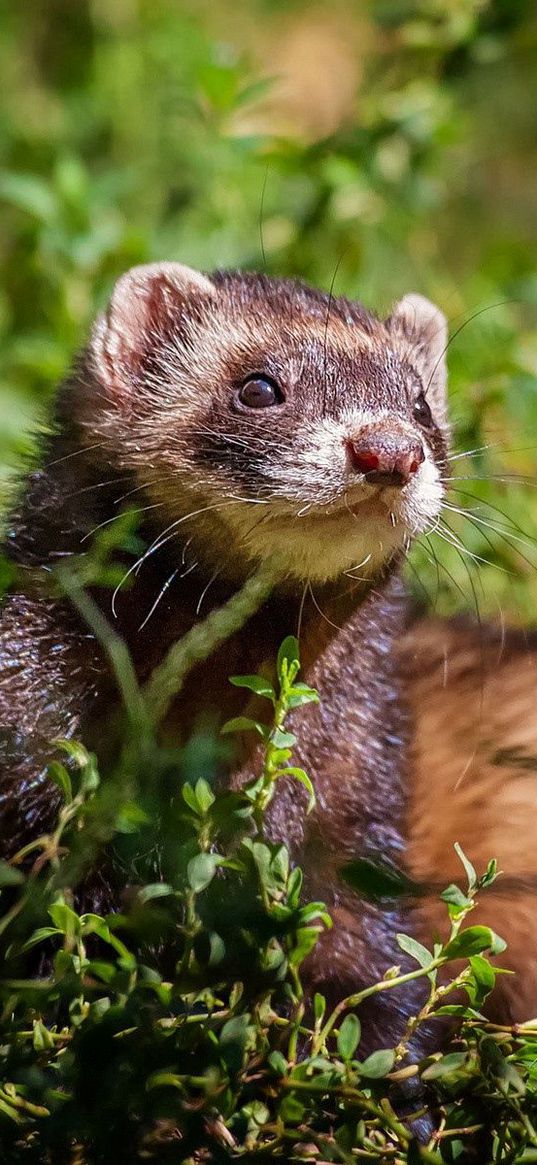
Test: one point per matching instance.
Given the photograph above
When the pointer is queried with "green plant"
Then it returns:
(177, 1030)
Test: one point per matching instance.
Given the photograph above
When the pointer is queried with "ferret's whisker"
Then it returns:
(161, 594)
(204, 591)
(146, 485)
(496, 528)
(321, 613)
(74, 453)
(116, 518)
(156, 545)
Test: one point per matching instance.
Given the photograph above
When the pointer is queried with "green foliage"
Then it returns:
(178, 1031)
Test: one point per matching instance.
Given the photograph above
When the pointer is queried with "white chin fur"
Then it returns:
(323, 542)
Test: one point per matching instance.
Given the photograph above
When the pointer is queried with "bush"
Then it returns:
(177, 1030)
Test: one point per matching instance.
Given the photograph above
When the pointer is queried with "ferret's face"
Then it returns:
(285, 422)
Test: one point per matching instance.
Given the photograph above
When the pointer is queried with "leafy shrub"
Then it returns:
(177, 1030)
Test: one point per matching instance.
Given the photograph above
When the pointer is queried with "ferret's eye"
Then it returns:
(422, 412)
(258, 392)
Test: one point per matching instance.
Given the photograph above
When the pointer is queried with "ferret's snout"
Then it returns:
(385, 457)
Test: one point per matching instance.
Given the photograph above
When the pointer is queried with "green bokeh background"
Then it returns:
(386, 146)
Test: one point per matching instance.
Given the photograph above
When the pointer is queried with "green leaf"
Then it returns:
(278, 1063)
(75, 751)
(484, 973)
(244, 724)
(348, 1036)
(57, 773)
(452, 1070)
(294, 886)
(64, 918)
(291, 1110)
(302, 694)
(234, 1038)
(189, 797)
(302, 777)
(288, 659)
(378, 1064)
(154, 890)
(473, 941)
(42, 1039)
(469, 869)
(201, 870)
(256, 684)
(281, 739)
(306, 938)
(454, 896)
(204, 795)
(319, 1006)
(40, 935)
(416, 951)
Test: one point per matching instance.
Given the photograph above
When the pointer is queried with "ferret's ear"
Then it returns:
(425, 329)
(147, 307)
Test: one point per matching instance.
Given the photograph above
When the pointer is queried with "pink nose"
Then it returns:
(385, 458)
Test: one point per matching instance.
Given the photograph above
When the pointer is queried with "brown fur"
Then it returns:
(472, 691)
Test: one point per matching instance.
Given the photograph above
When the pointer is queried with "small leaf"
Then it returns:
(302, 777)
(348, 1036)
(288, 658)
(278, 1063)
(416, 951)
(294, 886)
(64, 918)
(256, 684)
(302, 694)
(319, 1006)
(281, 739)
(40, 935)
(449, 1068)
(378, 1064)
(154, 890)
(201, 870)
(306, 938)
(244, 724)
(454, 896)
(204, 794)
(189, 797)
(490, 875)
(57, 773)
(469, 869)
(42, 1039)
(472, 941)
(291, 1110)
(75, 751)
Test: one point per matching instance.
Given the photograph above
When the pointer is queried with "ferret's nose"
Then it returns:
(384, 457)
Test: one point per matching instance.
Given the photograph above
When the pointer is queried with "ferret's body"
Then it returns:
(250, 418)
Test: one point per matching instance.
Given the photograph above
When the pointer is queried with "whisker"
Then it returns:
(161, 594)
(321, 613)
(116, 518)
(75, 453)
(205, 589)
(156, 545)
(476, 518)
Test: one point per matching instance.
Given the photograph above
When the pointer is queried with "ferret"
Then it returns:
(249, 418)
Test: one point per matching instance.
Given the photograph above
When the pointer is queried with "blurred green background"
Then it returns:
(391, 146)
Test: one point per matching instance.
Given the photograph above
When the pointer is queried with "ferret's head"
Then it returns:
(283, 420)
